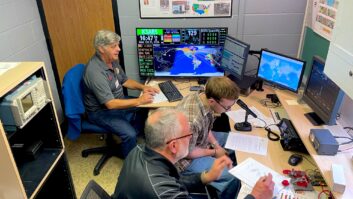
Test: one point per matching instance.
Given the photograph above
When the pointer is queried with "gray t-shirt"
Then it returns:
(102, 84)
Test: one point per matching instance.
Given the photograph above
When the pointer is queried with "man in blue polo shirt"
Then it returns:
(104, 99)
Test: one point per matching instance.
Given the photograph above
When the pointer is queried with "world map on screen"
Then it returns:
(188, 59)
(283, 71)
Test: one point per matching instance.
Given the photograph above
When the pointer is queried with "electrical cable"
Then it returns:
(343, 150)
(342, 137)
(270, 134)
(263, 122)
(348, 128)
(267, 103)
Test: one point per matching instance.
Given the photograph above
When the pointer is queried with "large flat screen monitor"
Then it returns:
(180, 52)
(235, 56)
(281, 70)
(322, 95)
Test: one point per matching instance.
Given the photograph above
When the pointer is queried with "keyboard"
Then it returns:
(170, 91)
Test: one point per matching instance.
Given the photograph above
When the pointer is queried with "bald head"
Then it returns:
(163, 125)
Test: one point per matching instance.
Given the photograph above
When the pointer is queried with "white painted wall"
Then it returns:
(262, 23)
(269, 24)
(22, 38)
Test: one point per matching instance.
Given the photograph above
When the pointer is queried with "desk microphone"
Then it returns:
(244, 126)
(246, 108)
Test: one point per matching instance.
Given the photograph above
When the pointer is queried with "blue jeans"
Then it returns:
(227, 185)
(119, 122)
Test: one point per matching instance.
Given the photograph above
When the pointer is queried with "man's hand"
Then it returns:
(220, 151)
(263, 188)
(150, 89)
(216, 170)
(145, 98)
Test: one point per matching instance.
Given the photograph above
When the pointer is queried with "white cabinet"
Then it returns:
(339, 62)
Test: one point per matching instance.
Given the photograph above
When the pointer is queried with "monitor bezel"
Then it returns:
(276, 83)
(328, 119)
(194, 76)
(245, 62)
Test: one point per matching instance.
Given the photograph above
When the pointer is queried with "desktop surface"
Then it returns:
(276, 157)
(303, 126)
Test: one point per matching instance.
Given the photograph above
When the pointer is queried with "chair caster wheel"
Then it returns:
(83, 154)
(95, 173)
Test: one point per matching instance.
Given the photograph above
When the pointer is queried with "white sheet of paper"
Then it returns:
(239, 116)
(160, 97)
(286, 193)
(247, 143)
(5, 66)
(292, 102)
(249, 171)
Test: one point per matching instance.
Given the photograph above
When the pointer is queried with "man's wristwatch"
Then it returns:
(213, 145)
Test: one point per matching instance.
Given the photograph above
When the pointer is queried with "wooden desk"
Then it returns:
(303, 126)
(276, 158)
(183, 86)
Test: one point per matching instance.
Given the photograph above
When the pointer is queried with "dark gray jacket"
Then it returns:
(147, 174)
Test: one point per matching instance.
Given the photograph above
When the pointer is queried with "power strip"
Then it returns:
(338, 179)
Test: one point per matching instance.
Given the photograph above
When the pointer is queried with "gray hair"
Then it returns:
(104, 38)
(165, 128)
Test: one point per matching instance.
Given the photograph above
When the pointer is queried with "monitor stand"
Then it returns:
(244, 84)
(314, 119)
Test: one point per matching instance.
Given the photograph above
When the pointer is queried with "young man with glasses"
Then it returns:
(149, 171)
(205, 146)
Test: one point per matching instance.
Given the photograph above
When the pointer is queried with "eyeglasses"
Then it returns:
(177, 138)
(225, 108)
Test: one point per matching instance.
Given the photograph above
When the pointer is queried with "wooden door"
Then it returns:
(72, 25)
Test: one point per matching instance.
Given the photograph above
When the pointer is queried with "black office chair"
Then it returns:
(72, 90)
(94, 191)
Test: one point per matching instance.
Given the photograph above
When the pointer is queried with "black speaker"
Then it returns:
(259, 85)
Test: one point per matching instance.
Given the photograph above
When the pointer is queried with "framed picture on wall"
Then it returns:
(185, 8)
(324, 17)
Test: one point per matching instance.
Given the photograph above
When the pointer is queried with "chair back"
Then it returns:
(72, 91)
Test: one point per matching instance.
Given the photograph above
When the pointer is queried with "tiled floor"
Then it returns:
(82, 168)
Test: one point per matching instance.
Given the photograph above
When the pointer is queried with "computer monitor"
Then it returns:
(180, 52)
(235, 56)
(281, 70)
(322, 95)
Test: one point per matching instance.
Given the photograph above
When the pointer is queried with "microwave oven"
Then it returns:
(21, 104)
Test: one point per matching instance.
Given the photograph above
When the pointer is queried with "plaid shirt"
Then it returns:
(200, 119)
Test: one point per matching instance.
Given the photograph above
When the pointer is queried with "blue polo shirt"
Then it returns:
(102, 84)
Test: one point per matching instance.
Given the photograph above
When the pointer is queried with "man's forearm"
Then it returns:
(132, 84)
(200, 152)
(122, 103)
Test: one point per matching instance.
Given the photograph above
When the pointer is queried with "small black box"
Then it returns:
(33, 150)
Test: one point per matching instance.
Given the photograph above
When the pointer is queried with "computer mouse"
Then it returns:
(295, 159)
